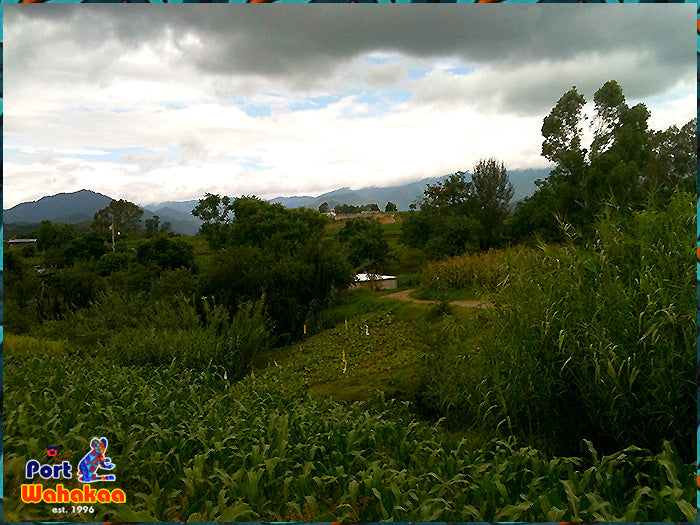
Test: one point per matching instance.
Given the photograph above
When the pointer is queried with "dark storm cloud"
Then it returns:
(290, 39)
(530, 54)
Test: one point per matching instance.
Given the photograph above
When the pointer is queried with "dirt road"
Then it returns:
(405, 296)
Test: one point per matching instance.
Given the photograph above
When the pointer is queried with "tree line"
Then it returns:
(627, 166)
(285, 255)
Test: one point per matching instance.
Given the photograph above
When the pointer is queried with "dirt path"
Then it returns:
(405, 295)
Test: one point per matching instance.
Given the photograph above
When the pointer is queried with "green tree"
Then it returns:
(323, 208)
(628, 165)
(277, 252)
(562, 132)
(166, 253)
(53, 235)
(390, 207)
(152, 226)
(491, 194)
(368, 250)
(122, 215)
(444, 226)
(674, 162)
(451, 194)
(217, 213)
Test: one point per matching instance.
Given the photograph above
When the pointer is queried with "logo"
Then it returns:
(87, 473)
(93, 460)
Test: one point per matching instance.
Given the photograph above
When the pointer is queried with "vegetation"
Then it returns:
(238, 378)
(349, 208)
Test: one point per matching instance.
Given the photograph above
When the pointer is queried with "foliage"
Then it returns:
(215, 212)
(458, 216)
(217, 343)
(349, 208)
(492, 192)
(154, 227)
(123, 217)
(54, 235)
(484, 270)
(166, 253)
(595, 341)
(627, 163)
(368, 250)
(281, 457)
(390, 207)
(296, 285)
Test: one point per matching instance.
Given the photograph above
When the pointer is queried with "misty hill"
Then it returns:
(181, 221)
(81, 206)
(73, 207)
(403, 195)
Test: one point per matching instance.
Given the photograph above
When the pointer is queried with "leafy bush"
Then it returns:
(484, 270)
(220, 342)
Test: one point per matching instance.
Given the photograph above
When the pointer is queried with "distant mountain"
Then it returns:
(403, 195)
(73, 207)
(82, 205)
(182, 206)
(293, 202)
(182, 222)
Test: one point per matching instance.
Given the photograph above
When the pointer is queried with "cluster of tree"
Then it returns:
(367, 248)
(458, 215)
(66, 271)
(123, 219)
(266, 250)
(349, 208)
(627, 164)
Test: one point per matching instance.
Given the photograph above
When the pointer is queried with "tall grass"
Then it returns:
(596, 342)
(484, 270)
(219, 342)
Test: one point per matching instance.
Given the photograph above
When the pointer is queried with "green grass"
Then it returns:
(188, 445)
(597, 342)
(351, 362)
(449, 294)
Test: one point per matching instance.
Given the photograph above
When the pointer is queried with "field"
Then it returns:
(563, 402)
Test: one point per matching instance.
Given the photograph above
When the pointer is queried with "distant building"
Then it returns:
(374, 281)
(16, 243)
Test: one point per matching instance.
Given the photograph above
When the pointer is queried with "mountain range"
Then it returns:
(81, 206)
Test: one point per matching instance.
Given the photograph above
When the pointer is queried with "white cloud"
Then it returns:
(153, 108)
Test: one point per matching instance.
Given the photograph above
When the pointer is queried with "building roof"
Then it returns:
(363, 277)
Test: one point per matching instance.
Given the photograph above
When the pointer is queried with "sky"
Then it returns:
(168, 102)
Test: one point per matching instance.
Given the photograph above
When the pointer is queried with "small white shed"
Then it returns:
(374, 281)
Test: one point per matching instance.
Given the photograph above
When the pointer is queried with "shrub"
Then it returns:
(220, 342)
(596, 341)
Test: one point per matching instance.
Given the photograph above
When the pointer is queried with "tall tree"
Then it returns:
(444, 225)
(368, 250)
(492, 191)
(217, 213)
(122, 215)
(562, 133)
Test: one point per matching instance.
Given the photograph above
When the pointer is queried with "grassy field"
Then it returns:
(279, 445)
(566, 402)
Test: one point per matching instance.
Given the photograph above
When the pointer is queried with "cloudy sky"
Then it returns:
(157, 103)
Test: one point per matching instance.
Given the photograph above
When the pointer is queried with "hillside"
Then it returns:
(81, 206)
(65, 207)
